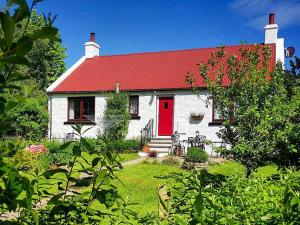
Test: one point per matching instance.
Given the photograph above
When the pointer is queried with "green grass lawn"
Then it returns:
(232, 167)
(140, 181)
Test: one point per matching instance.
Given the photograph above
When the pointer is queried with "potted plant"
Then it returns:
(146, 149)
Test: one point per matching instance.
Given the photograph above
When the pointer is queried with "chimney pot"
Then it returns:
(91, 47)
(272, 18)
(92, 37)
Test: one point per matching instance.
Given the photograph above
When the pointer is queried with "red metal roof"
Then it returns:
(142, 71)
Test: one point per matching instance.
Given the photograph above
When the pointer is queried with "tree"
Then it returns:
(47, 56)
(13, 51)
(30, 119)
(260, 107)
(46, 64)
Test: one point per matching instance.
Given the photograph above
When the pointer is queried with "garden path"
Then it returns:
(133, 162)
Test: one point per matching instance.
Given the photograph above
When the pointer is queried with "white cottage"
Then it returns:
(160, 98)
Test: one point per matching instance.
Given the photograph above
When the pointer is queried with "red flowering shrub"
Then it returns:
(36, 149)
(152, 154)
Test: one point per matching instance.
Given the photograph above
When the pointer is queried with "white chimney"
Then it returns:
(91, 47)
(271, 37)
(271, 30)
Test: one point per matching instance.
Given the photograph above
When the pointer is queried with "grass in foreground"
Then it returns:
(232, 167)
(140, 181)
(140, 184)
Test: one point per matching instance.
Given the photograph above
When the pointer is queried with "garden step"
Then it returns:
(163, 141)
(160, 150)
(162, 138)
(159, 145)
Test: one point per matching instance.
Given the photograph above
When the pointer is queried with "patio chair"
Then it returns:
(176, 148)
(198, 141)
(70, 137)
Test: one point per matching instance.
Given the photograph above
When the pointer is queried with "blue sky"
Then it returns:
(123, 26)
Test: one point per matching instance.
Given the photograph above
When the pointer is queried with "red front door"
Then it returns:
(165, 116)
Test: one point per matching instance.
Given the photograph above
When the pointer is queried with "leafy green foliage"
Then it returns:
(260, 107)
(30, 119)
(196, 155)
(98, 203)
(202, 198)
(13, 52)
(117, 115)
(47, 55)
(44, 53)
(123, 145)
(171, 161)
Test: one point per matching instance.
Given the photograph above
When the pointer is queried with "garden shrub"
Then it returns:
(202, 198)
(29, 120)
(171, 161)
(57, 155)
(10, 146)
(196, 155)
(29, 158)
(99, 204)
(117, 115)
(123, 145)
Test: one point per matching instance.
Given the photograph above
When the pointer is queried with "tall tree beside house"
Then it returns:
(46, 64)
(13, 53)
(30, 119)
(116, 116)
(47, 56)
(259, 107)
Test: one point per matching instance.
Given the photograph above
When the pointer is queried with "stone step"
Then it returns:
(160, 150)
(159, 145)
(162, 138)
(161, 141)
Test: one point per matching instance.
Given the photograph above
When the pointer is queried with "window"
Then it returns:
(81, 109)
(134, 106)
(216, 117)
(166, 105)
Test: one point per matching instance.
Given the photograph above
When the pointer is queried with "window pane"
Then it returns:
(88, 109)
(217, 115)
(133, 105)
(166, 105)
(74, 109)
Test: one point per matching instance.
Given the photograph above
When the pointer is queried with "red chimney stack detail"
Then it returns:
(271, 18)
(92, 37)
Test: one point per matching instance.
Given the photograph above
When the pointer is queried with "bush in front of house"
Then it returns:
(117, 115)
(196, 155)
(10, 146)
(215, 199)
(171, 161)
(123, 145)
(57, 155)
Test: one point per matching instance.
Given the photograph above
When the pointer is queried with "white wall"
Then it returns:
(185, 102)
(59, 115)
(147, 111)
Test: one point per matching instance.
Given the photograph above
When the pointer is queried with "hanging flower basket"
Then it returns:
(197, 116)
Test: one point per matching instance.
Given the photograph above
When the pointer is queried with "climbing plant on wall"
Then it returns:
(117, 115)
